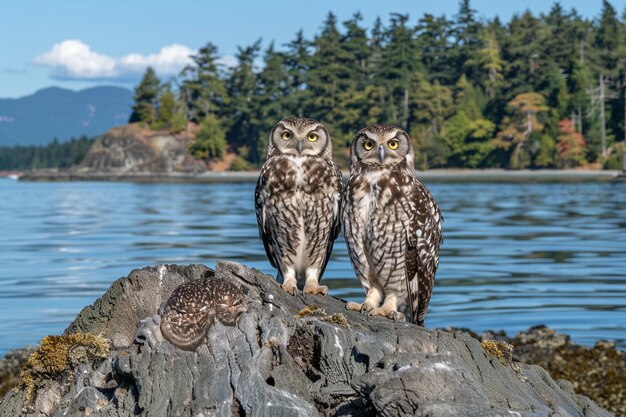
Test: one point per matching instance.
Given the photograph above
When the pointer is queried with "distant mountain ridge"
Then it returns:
(57, 112)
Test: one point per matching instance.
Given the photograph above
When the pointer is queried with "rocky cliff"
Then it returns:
(131, 149)
(286, 356)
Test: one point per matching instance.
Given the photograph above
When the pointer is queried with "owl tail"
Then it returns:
(412, 305)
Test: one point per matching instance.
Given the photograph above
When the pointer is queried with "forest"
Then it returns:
(544, 91)
(539, 91)
(53, 155)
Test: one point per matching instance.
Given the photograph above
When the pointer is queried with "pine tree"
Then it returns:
(325, 80)
(298, 62)
(467, 34)
(210, 142)
(400, 62)
(243, 97)
(272, 97)
(146, 93)
(203, 87)
(433, 38)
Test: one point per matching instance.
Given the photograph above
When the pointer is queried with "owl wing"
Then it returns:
(336, 186)
(424, 237)
(260, 194)
(187, 330)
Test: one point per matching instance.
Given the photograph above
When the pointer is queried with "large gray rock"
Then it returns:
(133, 149)
(277, 362)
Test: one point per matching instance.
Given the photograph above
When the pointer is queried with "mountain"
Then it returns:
(57, 112)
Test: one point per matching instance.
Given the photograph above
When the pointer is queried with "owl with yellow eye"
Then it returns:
(392, 226)
(298, 203)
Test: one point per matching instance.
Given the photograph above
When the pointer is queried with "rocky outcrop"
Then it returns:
(598, 372)
(287, 356)
(132, 149)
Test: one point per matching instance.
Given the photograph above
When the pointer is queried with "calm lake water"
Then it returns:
(515, 255)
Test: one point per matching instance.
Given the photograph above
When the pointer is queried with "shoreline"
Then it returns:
(448, 175)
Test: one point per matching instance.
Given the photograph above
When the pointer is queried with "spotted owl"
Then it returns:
(392, 225)
(195, 306)
(298, 202)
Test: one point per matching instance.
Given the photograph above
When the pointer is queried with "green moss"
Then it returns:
(57, 356)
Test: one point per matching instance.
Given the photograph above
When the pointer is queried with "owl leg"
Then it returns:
(372, 301)
(289, 283)
(389, 309)
(311, 286)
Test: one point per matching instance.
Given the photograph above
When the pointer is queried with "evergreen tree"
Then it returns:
(607, 43)
(325, 79)
(210, 142)
(146, 94)
(273, 95)
(400, 62)
(243, 92)
(298, 60)
(433, 38)
(203, 87)
(467, 34)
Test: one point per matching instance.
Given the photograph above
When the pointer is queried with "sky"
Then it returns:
(78, 44)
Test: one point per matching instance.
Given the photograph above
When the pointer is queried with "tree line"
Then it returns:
(53, 155)
(540, 91)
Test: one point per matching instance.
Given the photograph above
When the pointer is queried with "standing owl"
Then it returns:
(392, 225)
(298, 199)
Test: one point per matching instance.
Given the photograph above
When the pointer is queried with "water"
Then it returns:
(515, 255)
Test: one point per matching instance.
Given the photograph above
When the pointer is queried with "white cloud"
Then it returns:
(72, 59)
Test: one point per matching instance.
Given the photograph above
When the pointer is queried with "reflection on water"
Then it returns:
(514, 255)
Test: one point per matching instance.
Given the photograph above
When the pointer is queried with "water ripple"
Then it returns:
(515, 255)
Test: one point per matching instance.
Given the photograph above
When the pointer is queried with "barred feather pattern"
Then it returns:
(393, 230)
(298, 201)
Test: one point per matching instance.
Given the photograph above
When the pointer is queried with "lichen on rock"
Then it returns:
(56, 358)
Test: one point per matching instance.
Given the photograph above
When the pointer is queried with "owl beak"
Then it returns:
(381, 153)
(299, 146)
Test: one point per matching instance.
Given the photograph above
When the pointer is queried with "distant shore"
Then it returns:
(444, 175)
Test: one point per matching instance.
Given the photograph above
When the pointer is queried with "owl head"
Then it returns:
(382, 146)
(230, 301)
(297, 137)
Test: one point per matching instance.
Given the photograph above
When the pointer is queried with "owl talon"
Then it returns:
(315, 289)
(290, 288)
(367, 307)
(351, 305)
(391, 314)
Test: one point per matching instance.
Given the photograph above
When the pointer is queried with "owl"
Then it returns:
(298, 202)
(392, 226)
(195, 306)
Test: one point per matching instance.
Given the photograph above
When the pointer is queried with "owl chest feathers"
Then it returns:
(300, 198)
(376, 193)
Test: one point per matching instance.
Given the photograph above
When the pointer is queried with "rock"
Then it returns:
(132, 149)
(10, 367)
(277, 362)
(598, 372)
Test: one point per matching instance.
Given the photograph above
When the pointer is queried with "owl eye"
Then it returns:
(286, 135)
(368, 145)
(393, 144)
(312, 137)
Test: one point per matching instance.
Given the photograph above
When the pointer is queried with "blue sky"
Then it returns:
(77, 44)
